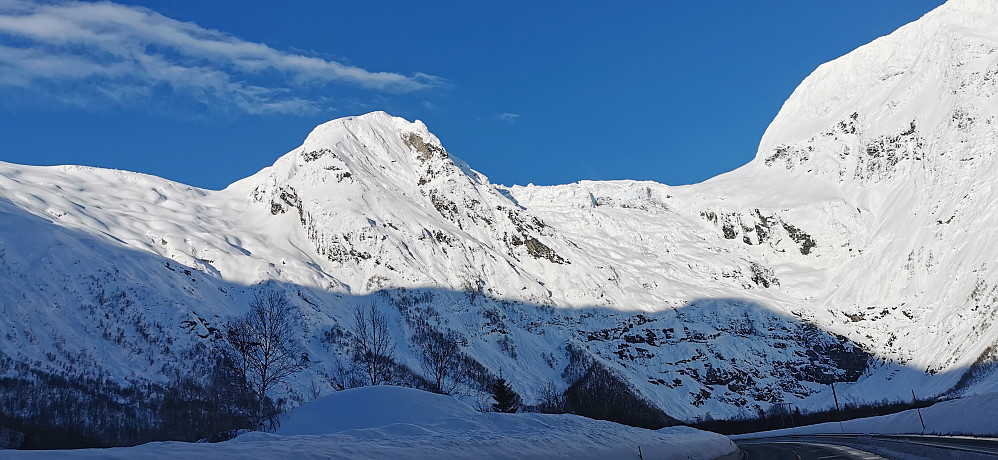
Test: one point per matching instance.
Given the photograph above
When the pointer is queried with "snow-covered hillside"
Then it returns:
(971, 416)
(855, 248)
(402, 423)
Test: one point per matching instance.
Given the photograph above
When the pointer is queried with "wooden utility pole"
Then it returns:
(915, 400)
(789, 411)
(837, 410)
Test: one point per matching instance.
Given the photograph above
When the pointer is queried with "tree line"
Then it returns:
(232, 384)
(779, 417)
(240, 378)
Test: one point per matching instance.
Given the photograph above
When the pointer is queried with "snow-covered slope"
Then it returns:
(905, 129)
(871, 199)
(971, 416)
(402, 423)
(854, 248)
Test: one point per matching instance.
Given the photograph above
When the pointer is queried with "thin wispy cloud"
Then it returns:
(80, 51)
(507, 117)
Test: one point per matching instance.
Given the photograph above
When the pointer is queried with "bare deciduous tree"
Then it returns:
(374, 348)
(552, 401)
(267, 343)
(441, 359)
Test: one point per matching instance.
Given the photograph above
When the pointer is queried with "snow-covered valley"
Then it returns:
(854, 249)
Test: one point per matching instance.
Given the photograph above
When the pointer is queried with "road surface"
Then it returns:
(835, 446)
(758, 449)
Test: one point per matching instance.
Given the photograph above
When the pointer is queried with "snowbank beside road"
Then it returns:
(402, 423)
(974, 415)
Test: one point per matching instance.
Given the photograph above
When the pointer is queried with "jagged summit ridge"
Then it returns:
(380, 147)
(381, 195)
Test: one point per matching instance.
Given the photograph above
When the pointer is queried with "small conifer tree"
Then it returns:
(506, 400)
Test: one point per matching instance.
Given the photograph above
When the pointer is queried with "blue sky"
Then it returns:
(208, 92)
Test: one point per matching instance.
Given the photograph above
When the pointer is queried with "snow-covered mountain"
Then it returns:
(854, 249)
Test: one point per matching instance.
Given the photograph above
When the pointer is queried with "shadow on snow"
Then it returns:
(88, 309)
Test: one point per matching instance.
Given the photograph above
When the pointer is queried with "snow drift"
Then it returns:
(971, 416)
(393, 422)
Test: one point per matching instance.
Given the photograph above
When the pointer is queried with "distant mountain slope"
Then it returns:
(855, 248)
(870, 198)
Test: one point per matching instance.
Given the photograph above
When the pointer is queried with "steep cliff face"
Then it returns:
(855, 248)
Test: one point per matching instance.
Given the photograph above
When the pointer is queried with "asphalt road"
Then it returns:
(830, 446)
(965, 446)
(800, 450)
